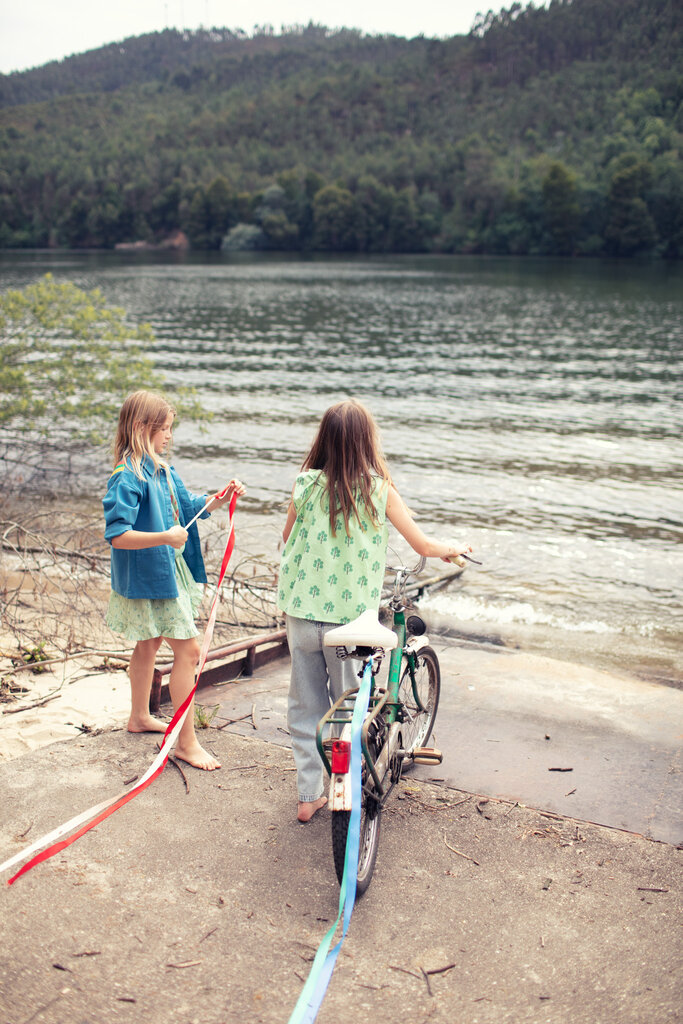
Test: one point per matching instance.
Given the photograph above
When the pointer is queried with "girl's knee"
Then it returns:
(149, 647)
(189, 651)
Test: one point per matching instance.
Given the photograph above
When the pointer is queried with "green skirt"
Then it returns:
(144, 618)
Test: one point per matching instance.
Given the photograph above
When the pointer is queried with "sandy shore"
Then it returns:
(54, 588)
(78, 699)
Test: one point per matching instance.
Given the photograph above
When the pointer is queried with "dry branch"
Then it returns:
(54, 588)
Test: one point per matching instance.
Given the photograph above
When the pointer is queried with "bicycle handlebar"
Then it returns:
(414, 571)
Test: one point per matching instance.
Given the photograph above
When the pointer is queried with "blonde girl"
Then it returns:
(332, 567)
(157, 570)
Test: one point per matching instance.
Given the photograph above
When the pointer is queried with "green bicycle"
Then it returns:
(398, 723)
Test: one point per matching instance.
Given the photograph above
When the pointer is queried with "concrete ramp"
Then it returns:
(560, 737)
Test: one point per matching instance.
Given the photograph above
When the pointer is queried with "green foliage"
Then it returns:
(630, 228)
(34, 656)
(204, 716)
(333, 217)
(561, 208)
(244, 238)
(507, 140)
(67, 360)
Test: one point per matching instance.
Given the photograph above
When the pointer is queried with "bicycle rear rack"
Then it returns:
(340, 714)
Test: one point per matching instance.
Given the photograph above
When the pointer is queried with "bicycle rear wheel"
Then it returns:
(419, 717)
(370, 818)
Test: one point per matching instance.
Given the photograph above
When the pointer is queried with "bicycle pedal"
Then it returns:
(427, 755)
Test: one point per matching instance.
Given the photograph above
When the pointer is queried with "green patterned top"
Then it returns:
(332, 578)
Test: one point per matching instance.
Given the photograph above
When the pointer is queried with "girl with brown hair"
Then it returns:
(332, 567)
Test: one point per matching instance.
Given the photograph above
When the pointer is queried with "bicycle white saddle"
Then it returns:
(365, 631)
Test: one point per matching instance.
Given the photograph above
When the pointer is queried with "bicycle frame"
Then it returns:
(385, 701)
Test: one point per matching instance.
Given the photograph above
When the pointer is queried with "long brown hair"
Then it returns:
(142, 413)
(347, 450)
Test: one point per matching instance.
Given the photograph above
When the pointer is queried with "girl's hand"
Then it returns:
(454, 552)
(176, 536)
(234, 487)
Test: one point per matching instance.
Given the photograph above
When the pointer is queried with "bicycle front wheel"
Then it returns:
(420, 699)
(370, 817)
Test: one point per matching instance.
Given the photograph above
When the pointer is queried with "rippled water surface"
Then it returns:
(531, 408)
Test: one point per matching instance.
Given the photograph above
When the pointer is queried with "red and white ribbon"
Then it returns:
(94, 815)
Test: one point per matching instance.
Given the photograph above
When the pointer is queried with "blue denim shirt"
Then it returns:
(144, 504)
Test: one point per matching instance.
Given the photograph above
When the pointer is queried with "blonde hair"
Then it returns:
(142, 414)
(347, 450)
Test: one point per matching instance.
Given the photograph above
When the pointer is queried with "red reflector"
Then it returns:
(341, 756)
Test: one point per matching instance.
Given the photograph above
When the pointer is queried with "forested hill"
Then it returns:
(545, 130)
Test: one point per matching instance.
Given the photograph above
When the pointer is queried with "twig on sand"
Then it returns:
(174, 762)
(453, 849)
(405, 970)
(231, 721)
(28, 707)
(441, 970)
(113, 655)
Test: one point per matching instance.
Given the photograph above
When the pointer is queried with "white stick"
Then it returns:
(195, 518)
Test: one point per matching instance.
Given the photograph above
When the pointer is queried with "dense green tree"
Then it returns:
(300, 188)
(194, 221)
(244, 238)
(164, 212)
(665, 203)
(334, 216)
(630, 228)
(210, 213)
(561, 209)
(271, 214)
(404, 225)
(220, 210)
(430, 215)
(374, 212)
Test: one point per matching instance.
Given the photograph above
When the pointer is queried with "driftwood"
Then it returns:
(54, 587)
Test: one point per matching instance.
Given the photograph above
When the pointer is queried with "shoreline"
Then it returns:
(73, 698)
(591, 654)
(90, 692)
(658, 661)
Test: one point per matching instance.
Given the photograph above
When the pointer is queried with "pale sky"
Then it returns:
(33, 32)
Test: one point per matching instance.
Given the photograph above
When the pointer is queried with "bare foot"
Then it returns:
(146, 723)
(197, 757)
(307, 810)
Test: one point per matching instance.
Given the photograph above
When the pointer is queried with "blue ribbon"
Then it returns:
(320, 973)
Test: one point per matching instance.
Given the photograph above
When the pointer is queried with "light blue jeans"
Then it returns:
(318, 679)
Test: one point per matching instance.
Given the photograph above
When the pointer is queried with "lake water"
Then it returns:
(532, 408)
